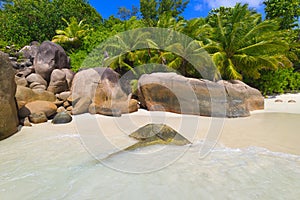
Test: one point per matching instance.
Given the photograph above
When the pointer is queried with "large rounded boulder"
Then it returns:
(46, 107)
(58, 82)
(86, 81)
(25, 95)
(50, 56)
(174, 93)
(98, 91)
(8, 107)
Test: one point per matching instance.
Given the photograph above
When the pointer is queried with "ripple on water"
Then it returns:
(60, 168)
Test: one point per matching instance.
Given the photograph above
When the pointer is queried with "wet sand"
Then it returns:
(277, 132)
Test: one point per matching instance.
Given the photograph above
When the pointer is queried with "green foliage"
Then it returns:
(73, 35)
(77, 59)
(90, 42)
(292, 37)
(176, 7)
(148, 10)
(277, 81)
(10, 49)
(125, 14)
(3, 45)
(242, 44)
(25, 21)
(287, 12)
(151, 10)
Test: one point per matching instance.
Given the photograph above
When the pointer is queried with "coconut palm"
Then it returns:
(73, 34)
(242, 43)
(198, 29)
(126, 50)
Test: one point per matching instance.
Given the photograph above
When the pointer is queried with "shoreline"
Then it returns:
(275, 128)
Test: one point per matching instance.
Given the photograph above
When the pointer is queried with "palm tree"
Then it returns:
(126, 50)
(198, 29)
(242, 43)
(73, 34)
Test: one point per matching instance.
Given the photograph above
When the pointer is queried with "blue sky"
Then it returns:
(196, 8)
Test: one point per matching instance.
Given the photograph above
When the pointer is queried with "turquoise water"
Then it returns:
(55, 165)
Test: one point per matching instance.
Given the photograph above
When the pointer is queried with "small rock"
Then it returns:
(28, 63)
(13, 59)
(58, 103)
(36, 78)
(25, 72)
(36, 85)
(70, 108)
(37, 118)
(64, 95)
(62, 118)
(61, 109)
(27, 122)
(66, 104)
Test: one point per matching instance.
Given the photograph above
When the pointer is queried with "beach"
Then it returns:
(276, 128)
(248, 158)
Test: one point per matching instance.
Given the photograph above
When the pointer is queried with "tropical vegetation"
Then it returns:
(241, 44)
(73, 35)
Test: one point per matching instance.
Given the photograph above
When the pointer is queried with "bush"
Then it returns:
(277, 81)
(77, 59)
(25, 21)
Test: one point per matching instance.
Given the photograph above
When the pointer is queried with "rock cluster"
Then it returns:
(50, 70)
(43, 86)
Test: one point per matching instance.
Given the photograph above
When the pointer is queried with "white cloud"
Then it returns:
(198, 7)
(231, 3)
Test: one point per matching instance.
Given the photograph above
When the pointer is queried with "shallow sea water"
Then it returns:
(55, 165)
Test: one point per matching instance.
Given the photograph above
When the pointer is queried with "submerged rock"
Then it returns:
(152, 134)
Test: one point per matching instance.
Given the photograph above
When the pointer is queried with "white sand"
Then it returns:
(272, 128)
(283, 103)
